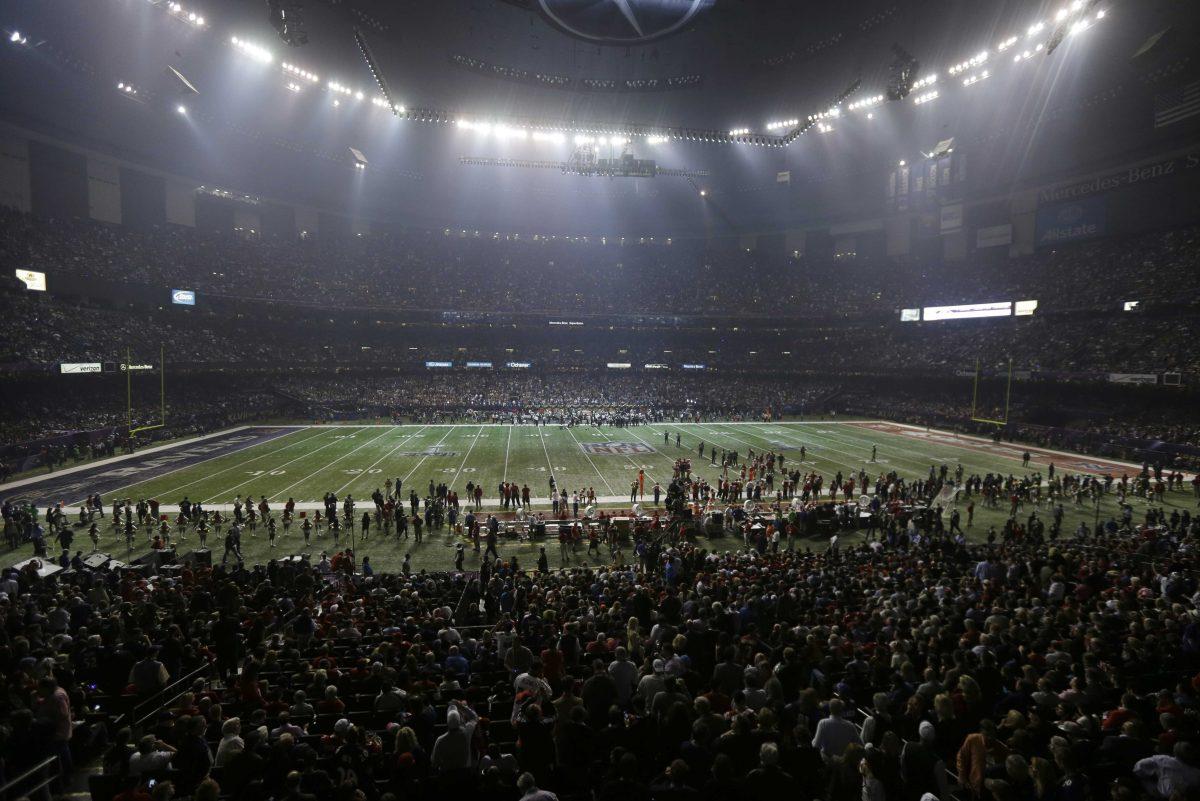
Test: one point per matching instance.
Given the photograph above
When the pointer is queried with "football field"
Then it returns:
(305, 462)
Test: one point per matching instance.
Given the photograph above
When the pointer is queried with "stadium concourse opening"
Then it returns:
(591, 401)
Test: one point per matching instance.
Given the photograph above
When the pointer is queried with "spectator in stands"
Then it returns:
(834, 733)
(152, 755)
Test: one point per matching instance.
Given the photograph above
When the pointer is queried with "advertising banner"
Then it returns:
(993, 236)
(1073, 221)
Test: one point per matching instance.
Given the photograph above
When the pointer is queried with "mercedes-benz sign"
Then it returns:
(621, 22)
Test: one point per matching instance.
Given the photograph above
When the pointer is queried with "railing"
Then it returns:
(35, 790)
(165, 696)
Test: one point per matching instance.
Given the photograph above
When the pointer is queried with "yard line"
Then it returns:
(465, 458)
(242, 464)
(326, 467)
(821, 441)
(819, 454)
(185, 467)
(631, 461)
(335, 441)
(549, 464)
(589, 458)
(507, 445)
(426, 456)
(896, 455)
(377, 461)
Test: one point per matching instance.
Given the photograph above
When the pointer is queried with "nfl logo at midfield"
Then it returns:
(615, 448)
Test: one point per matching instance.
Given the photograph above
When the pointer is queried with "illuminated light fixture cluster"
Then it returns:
(1079, 26)
(16, 37)
(1027, 54)
(833, 112)
(190, 17)
(299, 72)
(657, 140)
(292, 86)
(334, 86)
(739, 132)
(554, 137)
(616, 141)
(1007, 43)
(823, 128)
(1067, 11)
(1035, 29)
(256, 52)
(127, 88)
(776, 125)
(928, 80)
(973, 61)
(925, 97)
(382, 102)
(974, 79)
(866, 102)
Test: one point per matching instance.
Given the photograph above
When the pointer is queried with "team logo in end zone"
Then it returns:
(615, 448)
(1092, 466)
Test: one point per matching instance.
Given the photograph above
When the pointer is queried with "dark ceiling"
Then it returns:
(752, 61)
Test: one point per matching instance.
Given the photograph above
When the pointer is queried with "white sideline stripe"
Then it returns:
(325, 467)
(380, 459)
(66, 471)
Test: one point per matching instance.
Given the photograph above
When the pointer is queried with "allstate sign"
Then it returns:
(183, 297)
(1070, 222)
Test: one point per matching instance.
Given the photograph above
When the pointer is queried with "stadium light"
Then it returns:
(16, 37)
(181, 109)
(903, 162)
(254, 51)
(703, 193)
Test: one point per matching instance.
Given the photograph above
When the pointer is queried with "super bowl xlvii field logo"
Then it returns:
(615, 448)
(426, 452)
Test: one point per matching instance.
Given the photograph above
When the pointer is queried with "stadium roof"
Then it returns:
(278, 120)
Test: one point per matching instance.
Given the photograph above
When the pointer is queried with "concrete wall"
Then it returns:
(14, 173)
(104, 191)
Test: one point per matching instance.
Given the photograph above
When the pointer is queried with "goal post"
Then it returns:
(978, 413)
(162, 393)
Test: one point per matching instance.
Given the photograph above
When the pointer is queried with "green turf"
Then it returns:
(357, 459)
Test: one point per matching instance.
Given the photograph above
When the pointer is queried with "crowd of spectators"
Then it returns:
(47, 329)
(887, 670)
(457, 270)
(594, 395)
